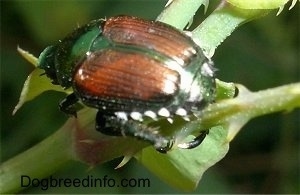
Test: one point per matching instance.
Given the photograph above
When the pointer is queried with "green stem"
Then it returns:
(187, 9)
(39, 161)
(221, 23)
(215, 28)
(253, 104)
(234, 113)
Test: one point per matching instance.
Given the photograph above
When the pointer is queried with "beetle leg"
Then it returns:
(166, 148)
(111, 125)
(196, 142)
(105, 125)
(67, 105)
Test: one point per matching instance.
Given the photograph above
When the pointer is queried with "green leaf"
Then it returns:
(28, 56)
(36, 83)
(183, 168)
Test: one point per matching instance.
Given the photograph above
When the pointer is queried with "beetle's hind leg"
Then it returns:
(114, 126)
(196, 142)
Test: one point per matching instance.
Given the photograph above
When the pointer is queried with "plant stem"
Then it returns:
(220, 24)
(39, 161)
(187, 9)
(254, 104)
(234, 113)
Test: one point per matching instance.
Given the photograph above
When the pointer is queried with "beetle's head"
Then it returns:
(47, 62)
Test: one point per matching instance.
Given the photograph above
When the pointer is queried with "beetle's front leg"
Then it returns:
(67, 105)
(114, 126)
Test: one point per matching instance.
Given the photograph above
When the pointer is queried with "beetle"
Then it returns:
(130, 68)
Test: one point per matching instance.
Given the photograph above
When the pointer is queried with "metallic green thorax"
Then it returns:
(59, 61)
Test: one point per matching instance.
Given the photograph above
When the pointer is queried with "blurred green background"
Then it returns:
(264, 157)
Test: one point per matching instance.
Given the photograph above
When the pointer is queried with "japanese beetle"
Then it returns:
(129, 68)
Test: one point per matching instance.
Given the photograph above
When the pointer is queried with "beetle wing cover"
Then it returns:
(153, 35)
(112, 76)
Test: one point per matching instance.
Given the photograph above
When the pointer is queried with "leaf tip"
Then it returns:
(28, 56)
(17, 107)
